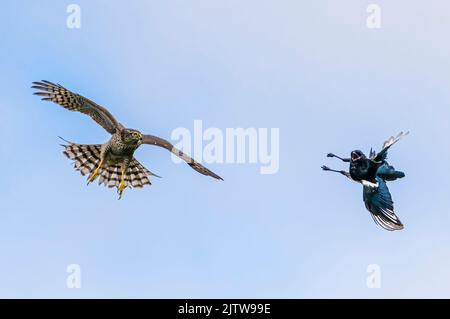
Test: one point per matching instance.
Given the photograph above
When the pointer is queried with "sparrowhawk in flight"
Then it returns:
(112, 162)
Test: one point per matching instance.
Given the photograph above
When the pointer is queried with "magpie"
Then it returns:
(373, 172)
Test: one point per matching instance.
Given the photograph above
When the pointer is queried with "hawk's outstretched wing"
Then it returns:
(382, 155)
(75, 102)
(379, 203)
(153, 140)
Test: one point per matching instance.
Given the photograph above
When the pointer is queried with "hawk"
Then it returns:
(373, 172)
(112, 162)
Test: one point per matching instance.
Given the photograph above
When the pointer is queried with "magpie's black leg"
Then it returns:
(326, 168)
(347, 160)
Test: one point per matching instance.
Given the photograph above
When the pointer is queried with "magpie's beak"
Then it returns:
(355, 156)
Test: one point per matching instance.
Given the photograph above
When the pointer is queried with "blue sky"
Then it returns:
(310, 68)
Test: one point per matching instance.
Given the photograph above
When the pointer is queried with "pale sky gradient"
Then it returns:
(310, 68)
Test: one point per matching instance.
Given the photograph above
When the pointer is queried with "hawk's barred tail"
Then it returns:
(86, 158)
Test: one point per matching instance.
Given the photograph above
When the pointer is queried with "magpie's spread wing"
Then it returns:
(379, 203)
(382, 155)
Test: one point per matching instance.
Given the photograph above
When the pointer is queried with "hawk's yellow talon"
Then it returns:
(95, 173)
(122, 184)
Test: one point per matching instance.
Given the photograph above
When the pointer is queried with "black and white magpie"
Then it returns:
(373, 172)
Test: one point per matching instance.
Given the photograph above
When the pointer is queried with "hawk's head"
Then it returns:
(130, 136)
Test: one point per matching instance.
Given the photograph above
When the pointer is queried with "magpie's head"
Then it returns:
(356, 156)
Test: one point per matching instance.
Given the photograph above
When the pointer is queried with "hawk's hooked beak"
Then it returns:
(138, 136)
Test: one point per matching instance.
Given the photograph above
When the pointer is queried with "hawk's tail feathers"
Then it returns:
(86, 158)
